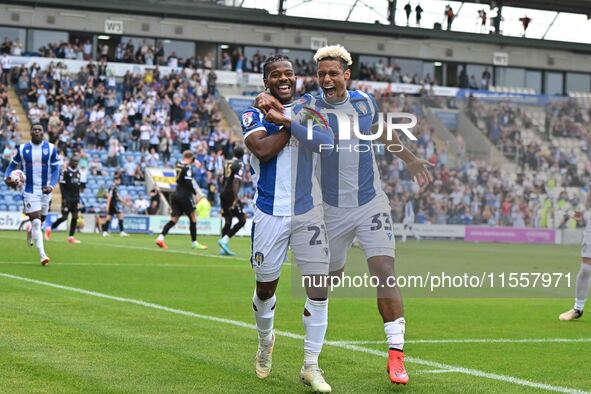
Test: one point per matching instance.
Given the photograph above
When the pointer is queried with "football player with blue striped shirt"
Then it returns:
(41, 164)
(288, 213)
(355, 206)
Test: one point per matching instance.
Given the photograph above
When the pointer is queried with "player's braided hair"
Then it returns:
(273, 59)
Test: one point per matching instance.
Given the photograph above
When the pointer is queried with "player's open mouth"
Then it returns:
(329, 91)
(285, 88)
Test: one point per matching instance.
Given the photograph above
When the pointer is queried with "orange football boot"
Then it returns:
(161, 244)
(396, 368)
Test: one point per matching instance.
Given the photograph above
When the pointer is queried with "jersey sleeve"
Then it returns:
(54, 160)
(375, 109)
(251, 121)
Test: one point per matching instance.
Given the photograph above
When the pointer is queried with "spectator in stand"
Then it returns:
(87, 50)
(482, 18)
(418, 13)
(485, 80)
(6, 47)
(6, 66)
(141, 205)
(449, 15)
(154, 202)
(407, 11)
(525, 21)
(17, 48)
(173, 60)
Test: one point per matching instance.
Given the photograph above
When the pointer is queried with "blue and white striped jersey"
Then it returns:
(286, 185)
(40, 163)
(349, 175)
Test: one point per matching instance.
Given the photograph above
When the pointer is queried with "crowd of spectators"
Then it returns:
(505, 122)
(151, 54)
(139, 121)
(567, 118)
(478, 193)
(142, 120)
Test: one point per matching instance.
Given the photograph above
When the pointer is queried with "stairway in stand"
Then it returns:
(23, 125)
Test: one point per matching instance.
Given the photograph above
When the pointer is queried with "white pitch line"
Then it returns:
(157, 250)
(435, 371)
(484, 340)
(147, 249)
(173, 265)
(237, 323)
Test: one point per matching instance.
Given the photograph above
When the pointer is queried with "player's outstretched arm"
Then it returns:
(418, 168)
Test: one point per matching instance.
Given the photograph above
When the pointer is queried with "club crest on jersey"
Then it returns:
(247, 119)
(45, 151)
(362, 108)
(258, 259)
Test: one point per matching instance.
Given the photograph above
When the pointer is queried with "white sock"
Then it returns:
(395, 333)
(37, 236)
(264, 314)
(225, 239)
(582, 287)
(160, 237)
(315, 326)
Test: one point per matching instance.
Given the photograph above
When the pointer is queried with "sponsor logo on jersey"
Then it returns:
(247, 119)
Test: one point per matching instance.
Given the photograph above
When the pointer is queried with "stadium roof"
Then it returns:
(336, 16)
(572, 6)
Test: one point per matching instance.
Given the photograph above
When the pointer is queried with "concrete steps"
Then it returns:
(24, 125)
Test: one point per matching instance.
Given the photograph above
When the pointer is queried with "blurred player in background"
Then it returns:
(288, 213)
(231, 204)
(354, 203)
(70, 188)
(584, 275)
(183, 201)
(41, 165)
(409, 220)
(114, 208)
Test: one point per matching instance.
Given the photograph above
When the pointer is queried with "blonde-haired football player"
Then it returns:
(354, 203)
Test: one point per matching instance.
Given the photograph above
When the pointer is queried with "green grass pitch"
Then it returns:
(119, 315)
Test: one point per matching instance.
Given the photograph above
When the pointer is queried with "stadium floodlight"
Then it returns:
(102, 37)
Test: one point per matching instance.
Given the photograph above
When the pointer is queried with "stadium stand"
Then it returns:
(146, 119)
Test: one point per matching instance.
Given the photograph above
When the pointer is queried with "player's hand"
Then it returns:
(277, 117)
(47, 189)
(265, 102)
(419, 171)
